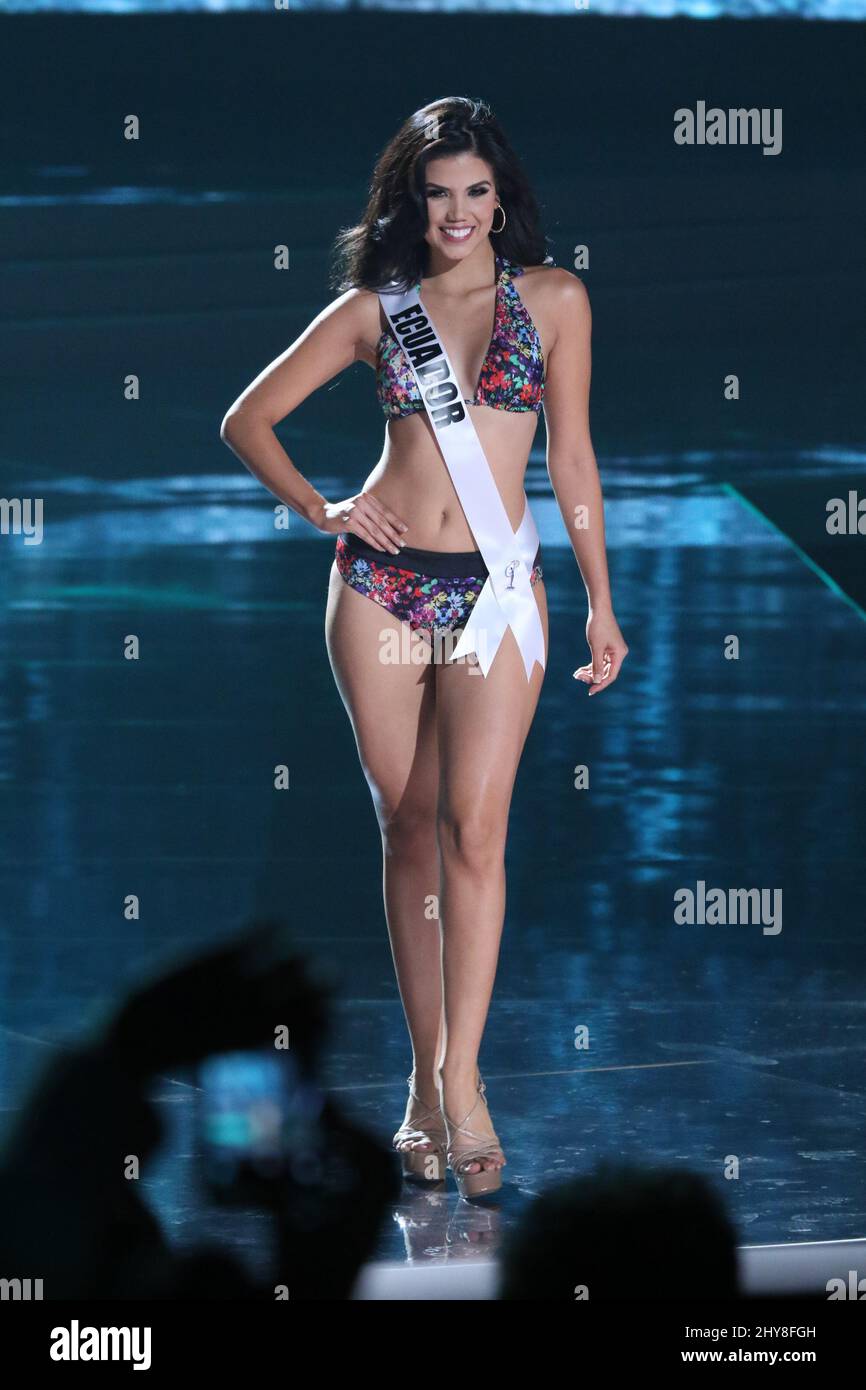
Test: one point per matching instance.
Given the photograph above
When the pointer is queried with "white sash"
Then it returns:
(506, 599)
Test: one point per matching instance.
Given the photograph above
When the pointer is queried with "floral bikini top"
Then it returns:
(512, 374)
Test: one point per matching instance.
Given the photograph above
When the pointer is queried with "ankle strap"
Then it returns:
(480, 1088)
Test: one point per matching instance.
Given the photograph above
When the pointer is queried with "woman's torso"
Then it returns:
(411, 476)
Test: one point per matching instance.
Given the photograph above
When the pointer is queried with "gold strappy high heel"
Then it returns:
(484, 1146)
(428, 1164)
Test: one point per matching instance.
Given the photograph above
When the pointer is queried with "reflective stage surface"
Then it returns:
(154, 777)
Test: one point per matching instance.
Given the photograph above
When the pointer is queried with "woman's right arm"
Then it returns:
(332, 342)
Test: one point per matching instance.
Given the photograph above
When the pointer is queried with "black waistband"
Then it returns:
(438, 564)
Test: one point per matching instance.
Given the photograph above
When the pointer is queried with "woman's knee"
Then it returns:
(473, 836)
(408, 827)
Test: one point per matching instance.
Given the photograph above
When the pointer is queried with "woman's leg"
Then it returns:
(483, 722)
(392, 710)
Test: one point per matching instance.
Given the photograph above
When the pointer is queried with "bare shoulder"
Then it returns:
(556, 293)
(355, 314)
(562, 291)
(354, 306)
(557, 301)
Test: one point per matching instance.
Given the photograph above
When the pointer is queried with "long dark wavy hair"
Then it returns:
(388, 243)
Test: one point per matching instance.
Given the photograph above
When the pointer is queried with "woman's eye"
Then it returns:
(442, 193)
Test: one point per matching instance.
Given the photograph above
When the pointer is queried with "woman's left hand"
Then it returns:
(608, 648)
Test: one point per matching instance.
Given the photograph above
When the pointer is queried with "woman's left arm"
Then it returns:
(573, 471)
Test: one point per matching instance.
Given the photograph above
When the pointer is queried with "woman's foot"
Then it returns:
(421, 1138)
(473, 1152)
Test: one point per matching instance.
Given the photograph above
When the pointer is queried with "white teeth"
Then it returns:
(457, 234)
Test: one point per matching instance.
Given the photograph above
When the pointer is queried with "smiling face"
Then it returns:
(461, 203)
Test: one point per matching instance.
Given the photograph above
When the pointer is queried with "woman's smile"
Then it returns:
(457, 233)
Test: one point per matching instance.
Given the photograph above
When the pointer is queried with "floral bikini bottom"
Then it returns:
(431, 590)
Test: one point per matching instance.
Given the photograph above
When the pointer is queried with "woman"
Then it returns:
(450, 212)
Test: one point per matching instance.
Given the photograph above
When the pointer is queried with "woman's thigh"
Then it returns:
(482, 726)
(390, 700)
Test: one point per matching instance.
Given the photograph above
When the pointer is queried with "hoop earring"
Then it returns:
(504, 219)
